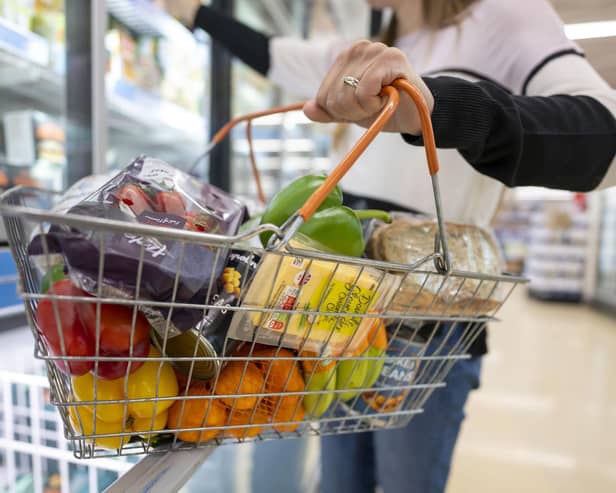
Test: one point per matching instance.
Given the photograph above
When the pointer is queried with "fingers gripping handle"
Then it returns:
(393, 100)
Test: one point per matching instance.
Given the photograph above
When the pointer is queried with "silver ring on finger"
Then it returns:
(350, 81)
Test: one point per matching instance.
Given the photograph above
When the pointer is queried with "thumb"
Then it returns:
(317, 114)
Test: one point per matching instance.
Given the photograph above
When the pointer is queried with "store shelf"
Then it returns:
(143, 115)
(133, 110)
(145, 18)
(11, 311)
(24, 60)
(24, 44)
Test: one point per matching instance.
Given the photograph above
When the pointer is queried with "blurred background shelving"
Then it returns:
(158, 98)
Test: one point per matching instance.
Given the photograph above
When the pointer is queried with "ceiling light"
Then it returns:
(591, 30)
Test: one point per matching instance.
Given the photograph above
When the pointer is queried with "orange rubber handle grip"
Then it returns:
(315, 200)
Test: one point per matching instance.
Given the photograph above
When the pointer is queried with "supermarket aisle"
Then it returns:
(543, 420)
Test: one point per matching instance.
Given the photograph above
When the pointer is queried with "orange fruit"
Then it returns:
(194, 414)
(278, 379)
(244, 418)
(290, 409)
(234, 379)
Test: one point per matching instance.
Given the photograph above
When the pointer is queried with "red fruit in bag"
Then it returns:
(170, 202)
(135, 198)
(115, 327)
(67, 327)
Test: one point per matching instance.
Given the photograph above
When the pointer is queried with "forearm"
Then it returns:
(249, 45)
(561, 141)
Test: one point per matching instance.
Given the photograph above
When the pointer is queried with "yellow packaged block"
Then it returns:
(296, 288)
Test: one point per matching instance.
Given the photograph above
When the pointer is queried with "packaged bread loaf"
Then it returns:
(473, 249)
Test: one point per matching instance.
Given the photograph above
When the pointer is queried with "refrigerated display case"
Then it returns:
(156, 83)
(58, 124)
(605, 287)
(153, 98)
(32, 115)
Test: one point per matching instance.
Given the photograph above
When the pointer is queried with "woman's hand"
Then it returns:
(183, 10)
(374, 65)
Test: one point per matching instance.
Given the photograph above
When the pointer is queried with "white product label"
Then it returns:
(156, 171)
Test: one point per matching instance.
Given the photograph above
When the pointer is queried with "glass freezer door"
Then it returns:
(155, 84)
(32, 94)
(32, 115)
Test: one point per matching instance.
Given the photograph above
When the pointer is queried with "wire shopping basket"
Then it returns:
(313, 344)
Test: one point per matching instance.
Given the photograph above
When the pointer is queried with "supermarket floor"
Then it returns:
(544, 418)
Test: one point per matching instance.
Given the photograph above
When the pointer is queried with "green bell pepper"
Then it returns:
(334, 227)
(289, 200)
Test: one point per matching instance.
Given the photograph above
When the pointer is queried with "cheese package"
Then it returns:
(308, 304)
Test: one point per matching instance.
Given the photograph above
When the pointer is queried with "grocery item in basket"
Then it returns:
(197, 415)
(362, 371)
(285, 284)
(62, 330)
(287, 201)
(120, 332)
(147, 418)
(148, 191)
(118, 329)
(336, 228)
(408, 239)
(239, 269)
(281, 376)
(239, 378)
(399, 368)
(154, 380)
(278, 406)
(320, 378)
(196, 343)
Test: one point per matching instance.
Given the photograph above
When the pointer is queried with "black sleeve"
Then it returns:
(564, 142)
(250, 46)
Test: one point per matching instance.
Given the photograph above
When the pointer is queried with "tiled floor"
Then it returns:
(544, 420)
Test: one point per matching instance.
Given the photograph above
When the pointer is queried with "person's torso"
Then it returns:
(392, 170)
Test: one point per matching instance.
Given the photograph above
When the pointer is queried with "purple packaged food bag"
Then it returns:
(149, 191)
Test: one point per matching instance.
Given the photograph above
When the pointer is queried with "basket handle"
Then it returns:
(441, 254)
(248, 118)
(393, 100)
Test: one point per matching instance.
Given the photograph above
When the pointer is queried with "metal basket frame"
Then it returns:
(449, 339)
